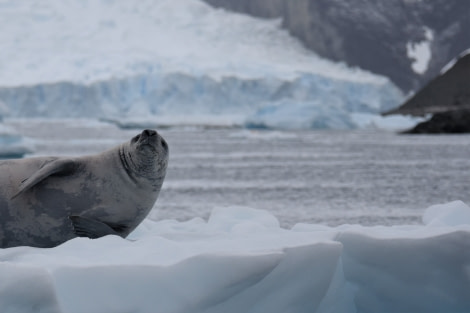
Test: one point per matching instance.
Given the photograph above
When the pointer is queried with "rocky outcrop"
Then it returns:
(454, 122)
(447, 97)
(370, 34)
(449, 91)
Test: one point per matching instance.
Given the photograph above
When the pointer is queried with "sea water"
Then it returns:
(367, 177)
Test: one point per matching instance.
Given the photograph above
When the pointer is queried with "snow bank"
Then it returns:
(177, 61)
(420, 52)
(240, 260)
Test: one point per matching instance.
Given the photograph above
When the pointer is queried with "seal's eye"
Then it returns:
(135, 138)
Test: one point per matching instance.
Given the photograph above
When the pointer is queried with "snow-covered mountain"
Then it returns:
(172, 58)
(406, 40)
(449, 91)
(447, 97)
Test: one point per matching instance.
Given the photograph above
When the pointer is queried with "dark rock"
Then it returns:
(447, 97)
(449, 122)
(449, 91)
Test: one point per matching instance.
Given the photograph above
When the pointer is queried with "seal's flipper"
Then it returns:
(91, 228)
(56, 167)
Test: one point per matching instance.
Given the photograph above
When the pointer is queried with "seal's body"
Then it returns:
(46, 201)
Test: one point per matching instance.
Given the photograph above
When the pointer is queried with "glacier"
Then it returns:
(177, 62)
(241, 260)
(309, 101)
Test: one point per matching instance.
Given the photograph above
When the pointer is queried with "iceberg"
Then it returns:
(241, 260)
(12, 144)
(177, 62)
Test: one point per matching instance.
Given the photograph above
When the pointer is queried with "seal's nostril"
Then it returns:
(149, 132)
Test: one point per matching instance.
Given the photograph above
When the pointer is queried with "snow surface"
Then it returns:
(240, 260)
(89, 41)
(175, 60)
(420, 52)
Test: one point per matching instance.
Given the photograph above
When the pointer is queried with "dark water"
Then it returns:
(327, 177)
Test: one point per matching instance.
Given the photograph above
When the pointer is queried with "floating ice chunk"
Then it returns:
(427, 274)
(26, 289)
(242, 261)
(449, 214)
(242, 219)
(12, 144)
(192, 285)
(392, 122)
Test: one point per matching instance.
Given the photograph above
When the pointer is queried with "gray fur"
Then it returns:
(45, 201)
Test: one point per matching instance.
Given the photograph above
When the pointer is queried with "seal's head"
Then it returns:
(146, 155)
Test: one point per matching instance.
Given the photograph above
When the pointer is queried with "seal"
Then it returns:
(45, 201)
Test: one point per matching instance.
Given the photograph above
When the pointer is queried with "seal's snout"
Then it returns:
(148, 136)
(152, 138)
(149, 133)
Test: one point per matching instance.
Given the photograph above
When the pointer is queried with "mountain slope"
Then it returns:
(449, 91)
(406, 40)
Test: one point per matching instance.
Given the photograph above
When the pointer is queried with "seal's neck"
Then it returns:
(127, 162)
(137, 168)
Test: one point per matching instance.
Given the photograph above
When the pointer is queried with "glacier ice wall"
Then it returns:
(308, 101)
